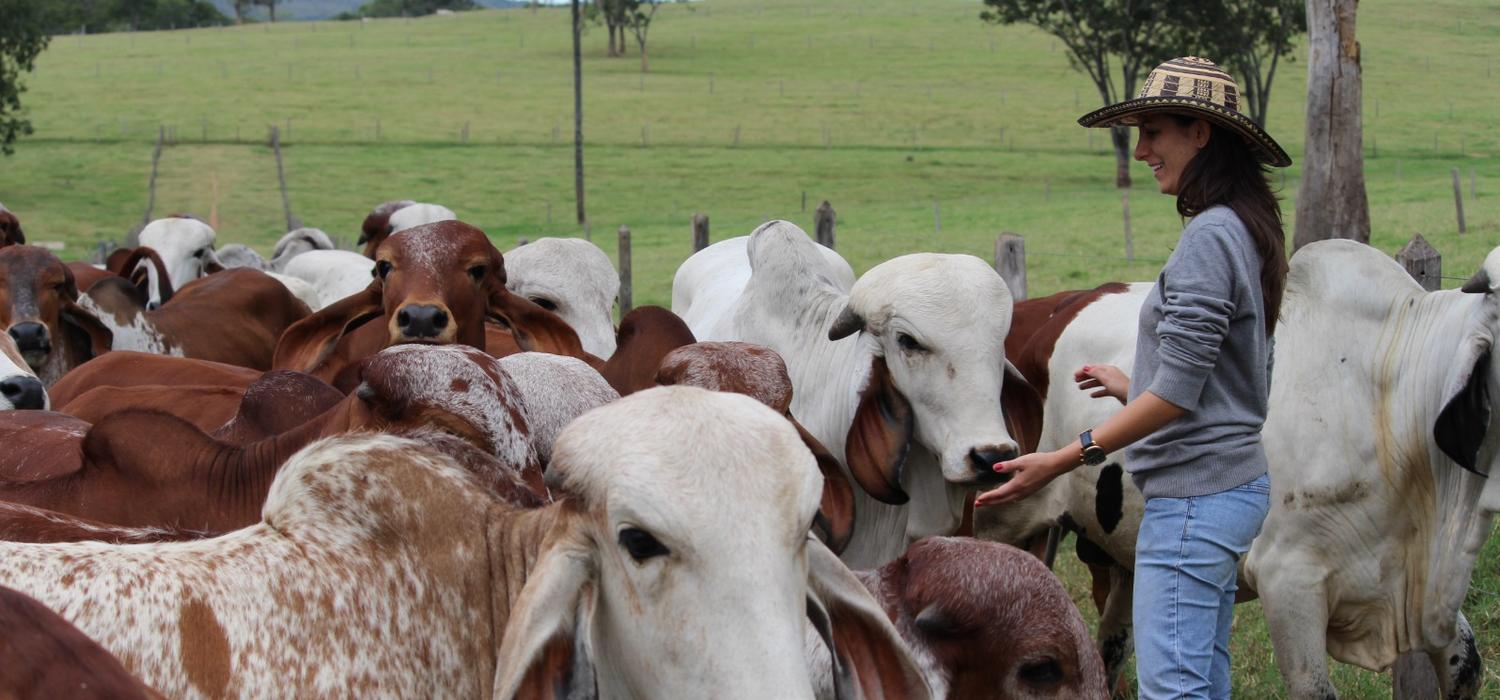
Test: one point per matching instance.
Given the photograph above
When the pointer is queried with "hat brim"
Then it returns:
(1129, 112)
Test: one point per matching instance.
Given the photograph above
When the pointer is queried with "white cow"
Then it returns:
(297, 242)
(383, 567)
(901, 374)
(186, 247)
(419, 213)
(240, 255)
(19, 386)
(1380, 432)
(719, 273)
(553, 390)
(333, 274)
(572, 278)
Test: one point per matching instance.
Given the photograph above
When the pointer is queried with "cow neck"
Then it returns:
(517, 538)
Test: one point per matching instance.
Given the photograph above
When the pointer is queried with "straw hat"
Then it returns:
(1195, 87)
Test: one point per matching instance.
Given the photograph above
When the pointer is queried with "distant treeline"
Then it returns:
(406, 8)
(95, 16)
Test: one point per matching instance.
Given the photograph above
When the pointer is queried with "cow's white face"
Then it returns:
(186, 247)
(417, 214)
(940, 323)
(572, 278)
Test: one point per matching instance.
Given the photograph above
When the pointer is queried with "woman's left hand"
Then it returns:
(1028, 473)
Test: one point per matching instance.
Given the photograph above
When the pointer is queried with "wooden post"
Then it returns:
(1423, 262)
(700, 232)
(1458, 200)
(804, 192)
(161, 136)
(292, 223)
(1010, 262)
(937, 217)
(825, 219)
(1129, 239)
(1413, 677)
(625, 300)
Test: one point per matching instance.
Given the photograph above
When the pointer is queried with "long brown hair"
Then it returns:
(1226, 171)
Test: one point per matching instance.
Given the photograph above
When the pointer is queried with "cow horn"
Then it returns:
(847, 324)
(1479, 283)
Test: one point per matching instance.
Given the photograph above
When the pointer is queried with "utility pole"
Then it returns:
(578, 115)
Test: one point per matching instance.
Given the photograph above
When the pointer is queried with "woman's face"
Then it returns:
(1168, 147)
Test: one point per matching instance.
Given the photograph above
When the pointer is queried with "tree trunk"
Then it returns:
(1331, 202)
(273, 12)
(609, 26)
(1119, 136)
(578, 114)
(642, 44)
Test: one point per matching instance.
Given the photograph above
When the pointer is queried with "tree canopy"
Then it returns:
(22, 36)
(93, 16)
(407, 8)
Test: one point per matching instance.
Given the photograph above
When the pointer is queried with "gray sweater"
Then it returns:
(1202, 346)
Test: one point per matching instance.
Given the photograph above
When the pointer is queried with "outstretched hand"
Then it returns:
(1028, 473)
(1105, 380)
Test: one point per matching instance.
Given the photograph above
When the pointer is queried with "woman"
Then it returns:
(1194, 409)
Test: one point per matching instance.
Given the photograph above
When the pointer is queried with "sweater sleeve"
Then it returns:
(1197, 303)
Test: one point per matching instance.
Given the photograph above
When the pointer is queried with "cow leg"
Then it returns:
(1296, 609)
(1115, 641)
(1458, 667)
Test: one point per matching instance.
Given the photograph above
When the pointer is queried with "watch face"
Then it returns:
(1094, 455)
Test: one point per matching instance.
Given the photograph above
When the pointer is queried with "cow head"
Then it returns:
(384, 220)
(758, 372)
(10, 229)
(297, 242)
(19, 387)
(935, 326)
(186, 246)
(39, 310)
(572, 278)
(648, 533)
(988, 620)
(554, 389)
(1465, 429)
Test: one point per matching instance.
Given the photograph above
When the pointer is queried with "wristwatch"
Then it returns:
(1093, 454)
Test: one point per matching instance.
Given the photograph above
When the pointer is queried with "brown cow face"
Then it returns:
(436, 282)
(10, 229)
(38, 308)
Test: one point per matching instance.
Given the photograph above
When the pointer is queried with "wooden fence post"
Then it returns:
(1129, 239)
(1010, 262)
(292, 223)
(825, 220)
(1424, 264)
(625, 300)
(1458, 200)
(161, 136)
(700, 232)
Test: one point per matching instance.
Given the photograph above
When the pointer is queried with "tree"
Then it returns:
(412, 8)
(22, 37)
(1248, 38)
(1332, 202)
(1106, 40)
(239, 10)
(271, 5)
(638, 15)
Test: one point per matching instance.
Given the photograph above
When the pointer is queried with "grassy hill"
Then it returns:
(925, 128)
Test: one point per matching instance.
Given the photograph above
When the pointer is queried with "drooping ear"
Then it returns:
(545, 652)
(536, 329)
(116, 261)
(141, 278)
(87, 337)
(869, 658)
(1022, 406)
(1461, 426)
(848, 323)
(880, 437)
(835, 520)
(306, 344)
(1479, 283)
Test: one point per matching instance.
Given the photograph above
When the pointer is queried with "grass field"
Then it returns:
(902, 114)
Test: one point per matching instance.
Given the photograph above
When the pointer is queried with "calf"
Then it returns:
(572, 278)
(39, 310)
(44, 657)
(383, 538)
(19, 387)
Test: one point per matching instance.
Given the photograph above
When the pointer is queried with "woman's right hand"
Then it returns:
(1105, 380)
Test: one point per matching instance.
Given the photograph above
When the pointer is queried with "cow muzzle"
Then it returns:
(423, 322)
(33, 342)
(23, 393)
(982, 462)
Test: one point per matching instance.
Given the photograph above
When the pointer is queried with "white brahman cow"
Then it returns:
(1381, 433)
(297, 242)
(572, 278)
(385, 567)
(333, 274)
(19, 386)
(899, 374)
(186, 247)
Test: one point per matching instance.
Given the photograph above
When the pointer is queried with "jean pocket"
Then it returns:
(1259, 485)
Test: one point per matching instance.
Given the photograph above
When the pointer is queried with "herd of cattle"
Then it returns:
(433, 470)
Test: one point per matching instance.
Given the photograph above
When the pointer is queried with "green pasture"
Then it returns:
(926, 129)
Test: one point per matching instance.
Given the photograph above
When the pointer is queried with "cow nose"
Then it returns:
(983, 460)
(422, 320)
(153, 305)
(24, 393)
(30, 337)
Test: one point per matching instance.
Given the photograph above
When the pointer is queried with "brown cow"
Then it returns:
(39, 309)
(234, 316)
(141, 468)
(43, 657)
(10, 229)
(123, 368)
(434, 284)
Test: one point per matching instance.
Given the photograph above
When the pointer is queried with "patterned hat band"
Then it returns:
(1197, 87)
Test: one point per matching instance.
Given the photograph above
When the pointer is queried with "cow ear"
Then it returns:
(87, 337)
(869, 658)
(136, 261)
(848, 323)
(306, 344)
(1461, 426)
(534, 328)
(835, 521)
(1022, 406)
(545, 651)
(880, 436)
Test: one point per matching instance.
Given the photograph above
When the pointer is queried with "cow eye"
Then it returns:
(1044, 672)
(382, 268)
(641, 545)
(477, 272)
(909, 343)
(545, 303)
(198, 253)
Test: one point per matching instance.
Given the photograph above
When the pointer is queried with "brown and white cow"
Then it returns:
(382, 568)
(395, 216)
(19, 387)
(39, 310)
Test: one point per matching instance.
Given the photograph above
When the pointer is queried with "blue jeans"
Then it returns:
(1186, 559)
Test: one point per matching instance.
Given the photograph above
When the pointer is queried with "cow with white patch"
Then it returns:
(383, 567)
(186, 246)
(19, 387)
(901, 374)
(391, 217)
(572, 278)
